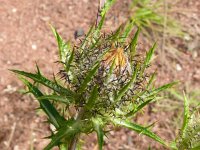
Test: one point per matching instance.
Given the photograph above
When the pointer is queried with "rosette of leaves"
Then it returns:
(189, 135)
(105, 83)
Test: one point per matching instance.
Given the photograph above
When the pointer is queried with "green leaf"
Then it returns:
(46, 82)
(88, 78)
(93, 97)
(149, 55)
(99, 131)
(70, 129)
(46, 106)
(154, 92)
(63, 51)
(86, 38)
(127, 29)
(186, 116)
(115, 35)
(139, 108)
(162, 88)
(58, 98)
(139, 129)
(151, 80)
(126, 87)
(99, 27)
(133, 44)
(68, 64)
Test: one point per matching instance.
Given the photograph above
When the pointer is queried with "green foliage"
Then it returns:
(139, 129)
(188, 137)
(152, 18)
(105, 84)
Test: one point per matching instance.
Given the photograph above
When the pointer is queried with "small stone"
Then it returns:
(14, 10)
(52, 127)
(34, 47)
(8, 62)
(178, 67)
(16, 147)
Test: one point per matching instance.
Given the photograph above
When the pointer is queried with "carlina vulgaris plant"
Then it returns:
(105, 83)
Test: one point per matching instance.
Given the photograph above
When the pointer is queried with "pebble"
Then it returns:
(34, 47)
(16, 147)
(178, 67)
(14, 10)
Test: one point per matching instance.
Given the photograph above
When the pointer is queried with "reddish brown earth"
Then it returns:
(25, 38)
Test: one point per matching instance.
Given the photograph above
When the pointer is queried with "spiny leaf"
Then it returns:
(162, 88)
(139, 129)
(69, 130)
(125, 88)
(88, 78)
(92, 98)
(133, 44)
(61, 45)
(115, 35)
(86, 38)
(149, 55)
(139, 108)
(154, 92)
(151, 80)
(46, 106)
(99, 131)
(58, 98)
(68, 64)
(100, 24)
(46, 82)
(127, 29)
(186, 116)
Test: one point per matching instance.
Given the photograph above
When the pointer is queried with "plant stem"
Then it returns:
(74, 140)
(73, 143)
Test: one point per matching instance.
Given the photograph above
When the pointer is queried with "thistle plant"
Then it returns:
(104, 83)
(189, 135)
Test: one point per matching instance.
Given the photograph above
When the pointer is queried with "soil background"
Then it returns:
(26, 38)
